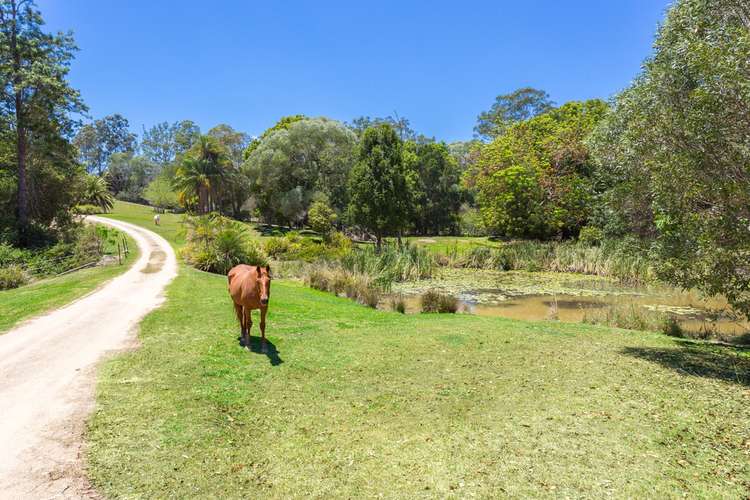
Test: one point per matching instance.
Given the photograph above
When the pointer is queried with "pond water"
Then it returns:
(571, 298)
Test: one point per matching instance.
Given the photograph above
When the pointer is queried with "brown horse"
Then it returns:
(250, 288)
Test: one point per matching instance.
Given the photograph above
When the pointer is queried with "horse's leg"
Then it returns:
(263, 311)
(249, 323)
(241, 319)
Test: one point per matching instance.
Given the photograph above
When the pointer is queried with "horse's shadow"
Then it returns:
(256, 346)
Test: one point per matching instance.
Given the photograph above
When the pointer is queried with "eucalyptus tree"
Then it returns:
(508, 109)
(98, 141)
(37, 100)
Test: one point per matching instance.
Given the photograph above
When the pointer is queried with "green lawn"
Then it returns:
(169, 225)
(446, 244)
(28, 301)
(354, 402)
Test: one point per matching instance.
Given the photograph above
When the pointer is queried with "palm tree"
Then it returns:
(96, 192)
(202, 173)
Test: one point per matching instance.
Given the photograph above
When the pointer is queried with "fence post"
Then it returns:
(119, 255)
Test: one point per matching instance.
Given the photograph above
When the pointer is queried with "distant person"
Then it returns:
(157, 218)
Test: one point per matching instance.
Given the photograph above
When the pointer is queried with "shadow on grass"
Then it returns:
(699, 361)
(271, 353)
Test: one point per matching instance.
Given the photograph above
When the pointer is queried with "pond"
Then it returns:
(571, 298)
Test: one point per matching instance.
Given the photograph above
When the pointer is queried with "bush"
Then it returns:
(437, 302)
(216, 244)
(87, 209)
(12, 277)
(590, 236)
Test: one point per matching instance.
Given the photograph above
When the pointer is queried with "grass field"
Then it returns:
(355, 402)
(28, 301)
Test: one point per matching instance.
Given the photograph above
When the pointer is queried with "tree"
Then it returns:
(237, 184)
(680, 134)
(160, 194)
(381, 188)
(549, 150)
(158, 143)
(438, 194)
(201, 174)
(186, 134)
(128, 175)
(508, 109)
(283, 124)
(321, 217)
(37, 100)
(96, 192)
(291, 166)
(98, 141)
(400, 125)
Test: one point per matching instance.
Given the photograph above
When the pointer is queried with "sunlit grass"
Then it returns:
(31, 300)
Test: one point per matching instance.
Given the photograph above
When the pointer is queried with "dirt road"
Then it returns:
(47, 369)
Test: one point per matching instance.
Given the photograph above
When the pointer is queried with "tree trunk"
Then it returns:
(23, 190)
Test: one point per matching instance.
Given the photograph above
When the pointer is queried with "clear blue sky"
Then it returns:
(438, 63)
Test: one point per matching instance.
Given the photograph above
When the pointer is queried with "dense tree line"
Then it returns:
(665, 164)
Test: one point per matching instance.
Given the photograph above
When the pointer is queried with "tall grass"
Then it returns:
(634, 317)
(618, 259)
(390, 264)
(356, 286)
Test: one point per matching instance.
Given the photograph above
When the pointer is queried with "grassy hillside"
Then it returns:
(32, 300)
(356, 402)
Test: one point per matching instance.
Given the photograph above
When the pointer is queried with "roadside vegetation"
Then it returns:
(47, 293)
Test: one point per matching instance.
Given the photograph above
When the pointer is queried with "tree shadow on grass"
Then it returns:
(256, 346)
(699, 361)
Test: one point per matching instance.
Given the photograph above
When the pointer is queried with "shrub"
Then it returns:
(87, 209)
(437, 302)
(590, 236)
(12, 277)
(277, 247)
(217, 244)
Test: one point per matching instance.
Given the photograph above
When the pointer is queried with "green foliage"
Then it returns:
(283, 124)
(37, 163)
(128, 175)
(12, 277)
(321, 217)
(470, 222)
(293, 166)
(293, 246)
(98, 141)
(437, 191)
(200, 178)
(87, 209)
(381, 188)
(508, 109)
(676, 149)
(538, 179)
(160, 194)
(590, 236)
(217, 244)
(434, 301)
(96, 192)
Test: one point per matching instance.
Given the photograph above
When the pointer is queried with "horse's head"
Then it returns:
(264, 283)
